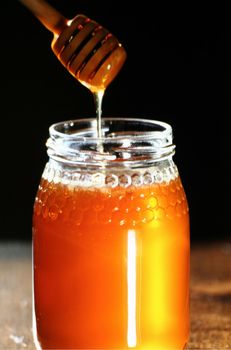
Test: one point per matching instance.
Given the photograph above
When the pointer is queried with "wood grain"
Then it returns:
(210, 296)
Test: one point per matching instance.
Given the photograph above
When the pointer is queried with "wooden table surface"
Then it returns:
(210, 296)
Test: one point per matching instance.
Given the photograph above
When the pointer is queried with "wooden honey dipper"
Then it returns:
(89, 51)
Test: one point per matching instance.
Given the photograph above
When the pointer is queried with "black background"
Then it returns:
(177, 71)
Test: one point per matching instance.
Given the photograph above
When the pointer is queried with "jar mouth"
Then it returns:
(123, 140)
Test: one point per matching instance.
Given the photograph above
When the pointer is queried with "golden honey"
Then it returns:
(111, 267)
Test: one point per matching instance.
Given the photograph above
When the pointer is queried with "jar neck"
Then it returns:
(125, 143)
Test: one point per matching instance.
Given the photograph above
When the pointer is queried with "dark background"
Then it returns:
(177, 71)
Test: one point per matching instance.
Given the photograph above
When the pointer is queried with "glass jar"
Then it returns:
(111, 239)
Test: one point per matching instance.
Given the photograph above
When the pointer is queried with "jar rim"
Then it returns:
(125, 142)
(165, 129)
